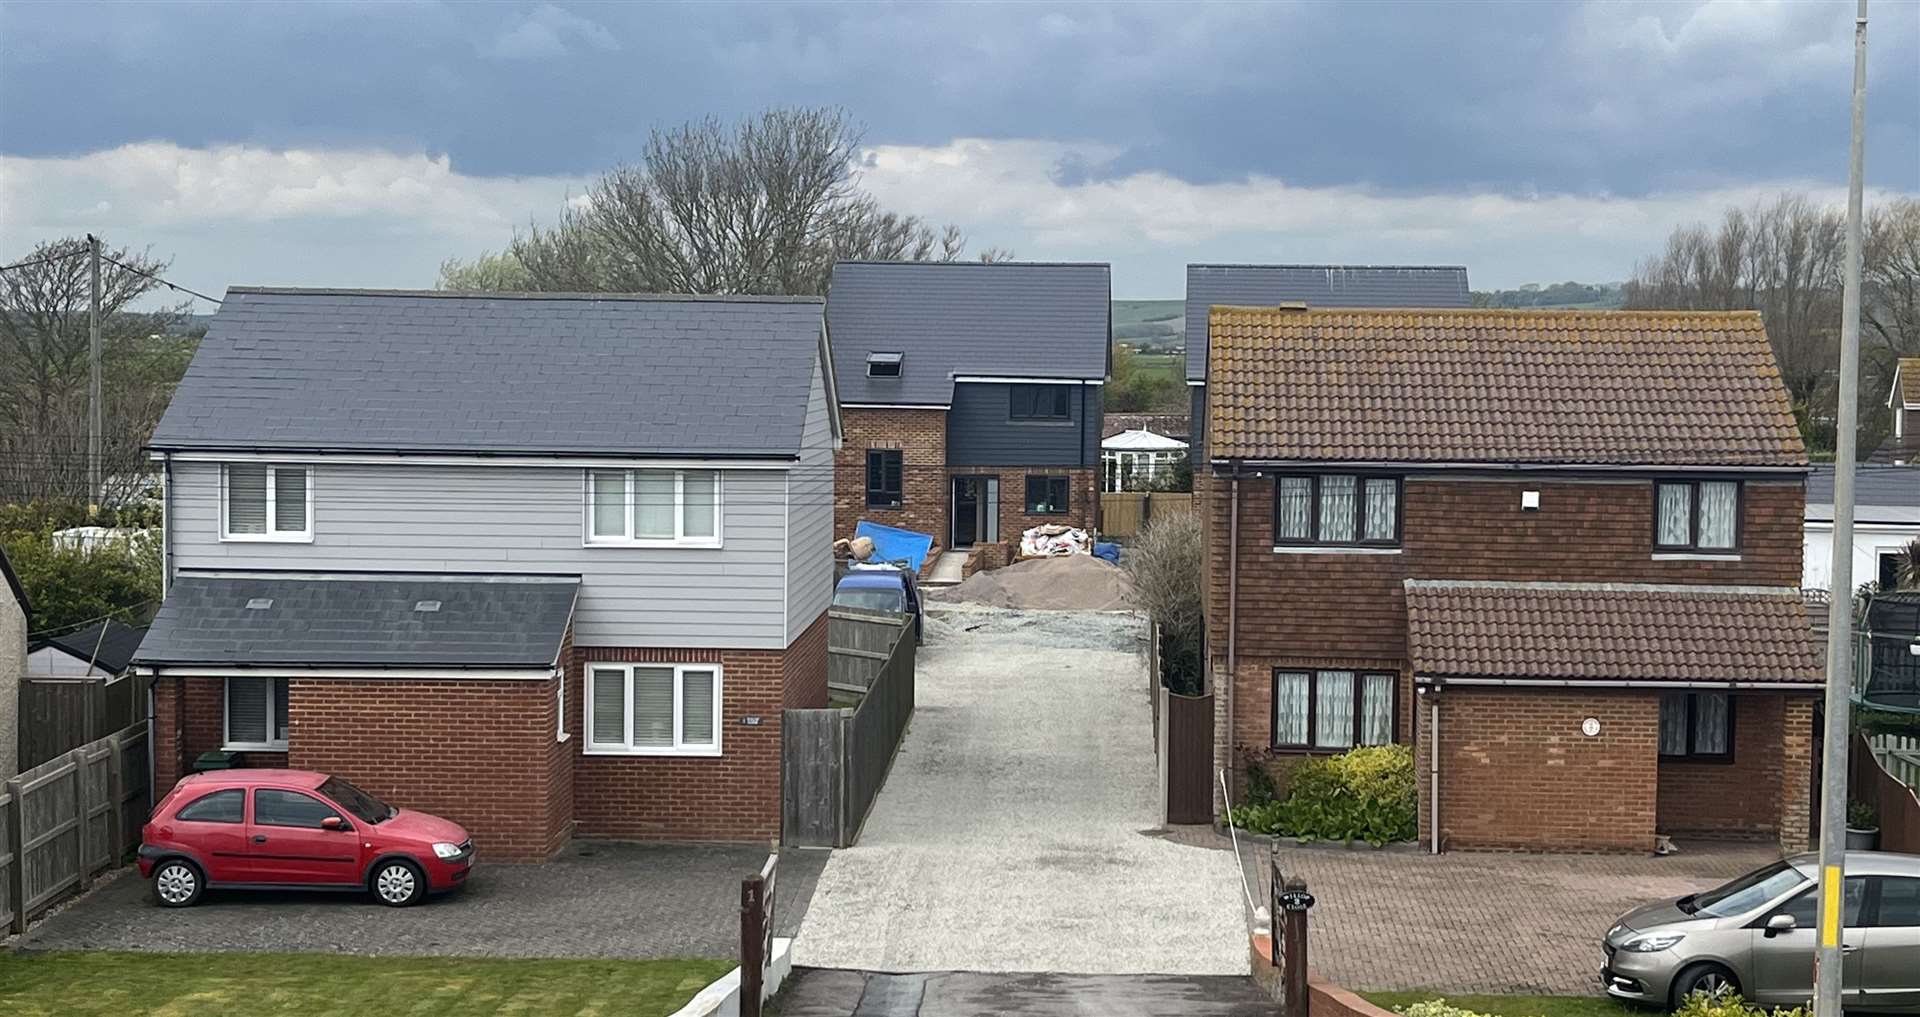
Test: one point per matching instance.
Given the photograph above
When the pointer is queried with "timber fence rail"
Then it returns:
(68, 819)
(836, 760)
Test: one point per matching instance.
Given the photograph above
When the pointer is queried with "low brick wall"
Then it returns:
(1324, 999)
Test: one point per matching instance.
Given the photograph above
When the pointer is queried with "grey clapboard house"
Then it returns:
(1316, 286)
(972, 395)
(538, 563)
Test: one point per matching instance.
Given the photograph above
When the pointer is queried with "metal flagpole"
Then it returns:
(1829, 957)
(94, 409)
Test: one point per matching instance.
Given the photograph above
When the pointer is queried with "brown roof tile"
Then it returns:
(1610, 632)
(1908, 371)
(1524, 386)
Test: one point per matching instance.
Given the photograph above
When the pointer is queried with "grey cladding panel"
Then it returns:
(980, 432)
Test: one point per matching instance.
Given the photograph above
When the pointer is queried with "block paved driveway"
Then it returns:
(598, 899)
(1482, 922)
(1016, 832)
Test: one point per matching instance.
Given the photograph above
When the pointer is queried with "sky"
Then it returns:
(359, 144)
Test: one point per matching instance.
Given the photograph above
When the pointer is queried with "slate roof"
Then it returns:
(1315, 286)
(1881, 494)
(530, 373)
(367, 620)
(1666, 388)
(1610, 632)
(110, 652)
(1008, 319)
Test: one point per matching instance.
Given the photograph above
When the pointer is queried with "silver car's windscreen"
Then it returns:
(1754, 890)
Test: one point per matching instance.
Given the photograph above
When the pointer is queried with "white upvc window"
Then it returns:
(653, 709)
(259, 501)
(560, 709)
(256, 715)
(654, 508)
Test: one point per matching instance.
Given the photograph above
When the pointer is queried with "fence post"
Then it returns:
(753, 941)
(1293, 901)
(116, 799)
(83, 830)
(17, 869)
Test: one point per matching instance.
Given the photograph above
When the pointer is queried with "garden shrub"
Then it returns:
(1366, 794)
(1436, 1008)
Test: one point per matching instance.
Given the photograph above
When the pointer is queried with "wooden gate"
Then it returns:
(1187, 755)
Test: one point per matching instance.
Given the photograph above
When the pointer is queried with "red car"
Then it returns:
(295, 830)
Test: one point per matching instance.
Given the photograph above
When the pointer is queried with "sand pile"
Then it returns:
(1076, 582)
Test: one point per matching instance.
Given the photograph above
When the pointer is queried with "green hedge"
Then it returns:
(1366, 794)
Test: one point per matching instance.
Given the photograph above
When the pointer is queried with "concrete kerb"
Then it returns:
(721, 998)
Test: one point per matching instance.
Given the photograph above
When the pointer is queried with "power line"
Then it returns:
(49, 259)
(158, 279)
(76, 626)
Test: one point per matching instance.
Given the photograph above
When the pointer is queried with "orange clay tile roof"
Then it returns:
(1908, 371)
(1610, 632)
(1654, 388)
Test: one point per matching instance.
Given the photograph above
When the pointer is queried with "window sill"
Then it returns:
(266, 538)
(1696, 556)
(1049, 422)
(702, 753)
(254, 747)
(1332, 549)
(693, 545)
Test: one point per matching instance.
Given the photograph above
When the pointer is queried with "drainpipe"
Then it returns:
(1433, 767)
(166, 576)
(1233, 606)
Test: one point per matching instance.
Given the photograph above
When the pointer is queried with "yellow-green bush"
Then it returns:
(1366, 794)
(1436, 1008)
(1729, 1004)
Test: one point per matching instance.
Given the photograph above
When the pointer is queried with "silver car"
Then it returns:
(1755, 936)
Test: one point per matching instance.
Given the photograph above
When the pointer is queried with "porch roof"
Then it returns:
(379, 620)
(1610, 633)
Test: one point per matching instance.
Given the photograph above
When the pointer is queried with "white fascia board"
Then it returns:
(989, 379)
(533, 674)
(896, 406)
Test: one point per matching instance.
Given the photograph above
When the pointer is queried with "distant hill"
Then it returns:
(1152, 326)
(1563, 296)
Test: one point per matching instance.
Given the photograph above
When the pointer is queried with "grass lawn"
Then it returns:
(1515, 1006)
(325, 985)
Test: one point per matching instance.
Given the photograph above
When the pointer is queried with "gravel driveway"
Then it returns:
(1016, 831)
(598, 899)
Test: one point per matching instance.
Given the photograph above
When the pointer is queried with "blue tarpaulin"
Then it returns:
(1107, 550)
(894, 544)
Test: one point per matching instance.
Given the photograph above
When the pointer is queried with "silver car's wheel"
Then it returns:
(1710, 980)
(176, 884)
(398, 884)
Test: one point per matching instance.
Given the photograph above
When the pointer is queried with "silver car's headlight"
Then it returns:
(1653, 942)
(445, 850)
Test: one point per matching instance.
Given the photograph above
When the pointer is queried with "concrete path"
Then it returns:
(818, 993)
(1016, 832)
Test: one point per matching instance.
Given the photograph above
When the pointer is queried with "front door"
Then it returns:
(289, 844)
(966, 511)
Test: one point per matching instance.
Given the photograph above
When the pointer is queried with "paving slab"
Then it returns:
(1017, 829)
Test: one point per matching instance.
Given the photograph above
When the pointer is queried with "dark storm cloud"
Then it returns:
(1604, 98)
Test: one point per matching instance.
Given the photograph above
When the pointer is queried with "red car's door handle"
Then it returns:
(259, 838)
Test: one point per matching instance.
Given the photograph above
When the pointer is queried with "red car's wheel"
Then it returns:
(399, 883)
(177, 883)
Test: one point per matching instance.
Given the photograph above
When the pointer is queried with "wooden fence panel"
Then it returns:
(58, 717)
(835, 761)
(67, 819)
(858, 644)
(1125, 513)
(1189, 751)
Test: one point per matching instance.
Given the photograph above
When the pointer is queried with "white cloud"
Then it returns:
(241, 214)
(1008, 193)
(546, 32)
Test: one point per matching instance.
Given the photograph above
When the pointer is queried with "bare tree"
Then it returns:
(1890, 309)
(1167, 566)
(488, 273)
(43, 370)
(766, 205)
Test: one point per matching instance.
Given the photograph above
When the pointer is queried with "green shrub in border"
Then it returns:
(1436, 1008)
(1729, 1004)
(1366, 794)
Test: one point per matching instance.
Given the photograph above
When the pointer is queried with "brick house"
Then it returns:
(1556, 552)
(544, 565)
(1903, 399)
(971, 396)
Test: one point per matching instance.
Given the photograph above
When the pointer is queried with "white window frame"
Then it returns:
(560, 709)
(273, 535)
(627, 748)
(680, 538)
(226, 721)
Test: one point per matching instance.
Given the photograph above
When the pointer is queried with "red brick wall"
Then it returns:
(733, 796)
(1354, 604)
(481, 753)
(1083, 494)
(189, 716)
(1763, 791)
(1516, 771)
(921, 435)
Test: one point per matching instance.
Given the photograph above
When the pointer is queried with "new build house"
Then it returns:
(1311, 285)
(539, 564)
(1557, 552)
(971, 395)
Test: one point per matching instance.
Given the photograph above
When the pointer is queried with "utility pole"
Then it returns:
(93, 375)
(1829, 960)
